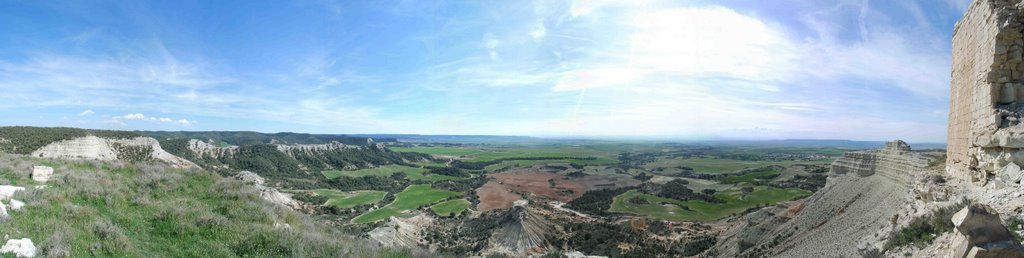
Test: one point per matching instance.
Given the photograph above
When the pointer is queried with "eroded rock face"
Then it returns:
(894, 161)
(96, 148)
(865, 190)
(204, 149)
(402, 232)
(267, 193)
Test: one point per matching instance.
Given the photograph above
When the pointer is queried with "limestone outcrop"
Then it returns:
(20, 247)
(96, 148)
(41, 173)
(895, 162)
(6, 191)
(205, 149)
(865, 190)
(402, 232)
(268, 193)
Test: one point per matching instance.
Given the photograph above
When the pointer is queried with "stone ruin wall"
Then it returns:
(894, 162)
(987, 91)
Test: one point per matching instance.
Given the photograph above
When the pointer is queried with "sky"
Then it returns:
(781, 69)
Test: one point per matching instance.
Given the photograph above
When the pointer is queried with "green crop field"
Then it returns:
(716, 165)
(412, 197)
(350, 199)
(490, 154)
(451, 207)
(566, 162)
(450, 151)
(410, 172)
(671, 209)
(750, 178)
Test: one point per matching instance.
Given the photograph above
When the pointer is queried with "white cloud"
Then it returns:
(86, 112)
(136, 116)
(183, 122)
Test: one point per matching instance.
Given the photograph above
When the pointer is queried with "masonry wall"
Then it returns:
(985, 90)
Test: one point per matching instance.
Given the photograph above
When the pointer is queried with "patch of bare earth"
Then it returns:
(495, 196)
(499, 193)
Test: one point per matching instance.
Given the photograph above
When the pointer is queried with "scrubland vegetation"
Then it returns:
(148, 210)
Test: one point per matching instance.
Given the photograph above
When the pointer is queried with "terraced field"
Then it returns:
(451, 207)
(413, 197)
(671, 209)
(410, 172)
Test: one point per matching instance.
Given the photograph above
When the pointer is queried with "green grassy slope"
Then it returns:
(149, 210)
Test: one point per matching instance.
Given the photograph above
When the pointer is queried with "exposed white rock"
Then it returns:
(96, 148)
(42, 173)
(578, 254)
(3, 211)
(402, 232)
(6, 191)
(16, 204)
(984, 234)
(267, 193)
(204, 149)
(250, 177)
(20, 247)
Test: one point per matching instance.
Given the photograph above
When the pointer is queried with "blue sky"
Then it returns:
(865, 70)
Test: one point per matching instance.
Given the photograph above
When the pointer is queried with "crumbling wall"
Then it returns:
(987, 91)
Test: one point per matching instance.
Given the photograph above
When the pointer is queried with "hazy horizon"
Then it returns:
(746, 70)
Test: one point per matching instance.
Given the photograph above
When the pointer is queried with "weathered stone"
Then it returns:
(987, 62)
(250, 177)
(1005, 249)
(41, 173)
(16, 204)
(984, 234)
(3, 211)
(20, 247)
(980, 224)
(6, 191)
(1010, 174)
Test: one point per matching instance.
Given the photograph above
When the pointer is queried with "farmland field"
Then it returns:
(449, 208)
(718, 165)
(343, 199)
(412, 197)
(735, 202)
(410, 172)
(449, 151)
(349, 200)
(491, 154)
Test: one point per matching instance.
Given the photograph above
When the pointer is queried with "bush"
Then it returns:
(920, 231)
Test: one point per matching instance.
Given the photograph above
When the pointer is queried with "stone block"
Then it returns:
(41, 173)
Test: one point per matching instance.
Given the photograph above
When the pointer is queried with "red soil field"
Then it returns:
(500, 192)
